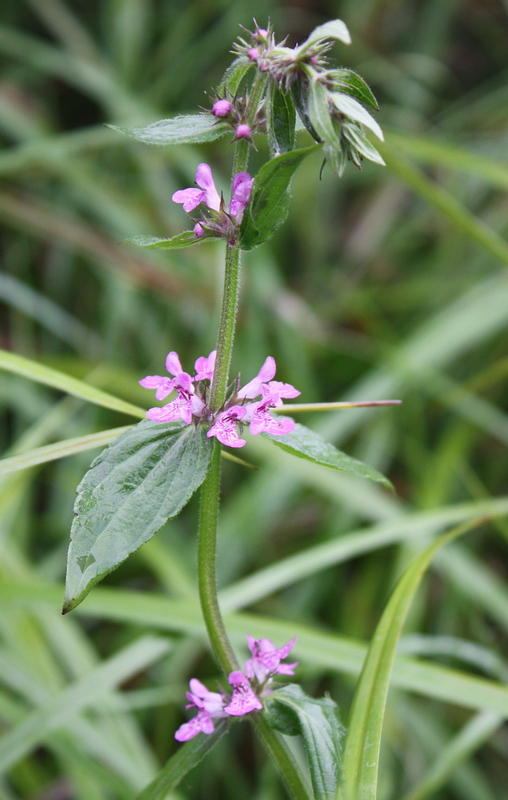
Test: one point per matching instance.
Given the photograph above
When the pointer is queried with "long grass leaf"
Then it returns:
(363, 739)
(31, 369)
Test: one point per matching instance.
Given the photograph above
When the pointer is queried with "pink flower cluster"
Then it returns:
(248, 686)
(219, 221)
(250, 405)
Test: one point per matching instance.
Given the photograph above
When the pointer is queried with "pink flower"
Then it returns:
(204, 367)
(183, 406)
(242, 188)
(266, 659)
(253, 388)
(261, 421)
(243, 700)
(224, 428)
(210, 706)
(222, 108)
(164, 386)
(207, 193)
(243, 131)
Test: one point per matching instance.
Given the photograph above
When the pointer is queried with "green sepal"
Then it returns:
(141, 480)
(280, 120)
(185, 129)
(185, 239)
(269, 204)
(292, 712)
(304, 443)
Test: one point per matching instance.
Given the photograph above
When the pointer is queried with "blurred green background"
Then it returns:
(388, 283)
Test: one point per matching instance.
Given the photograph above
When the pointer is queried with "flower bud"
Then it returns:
(221, 108)
(253, 54)
(243, 132)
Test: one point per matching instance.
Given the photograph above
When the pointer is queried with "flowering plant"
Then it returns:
(150, 472)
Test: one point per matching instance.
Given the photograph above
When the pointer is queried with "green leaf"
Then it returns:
(185, 758)
(142, 479)
(65, 383)
(61, 449)
(185, 239)
(351, 83)
(60, 709)
(354, 110)
(234, 75)
(361, 144)
(292, 712)
(319, 114)
(186, 129)
(361, 749)
(269, 203)
(335, 29)
(304, 443)
(280, 121)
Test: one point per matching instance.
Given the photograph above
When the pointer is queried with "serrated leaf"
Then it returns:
(335, 29)
(351, 83)
(319, 114)
(354, 110)
(304, 443)
(185, 129)
(185, 759)
(280, 121)
(185, 239)
(362, 745)
(293, 712)
(142, 479)
(269, 203)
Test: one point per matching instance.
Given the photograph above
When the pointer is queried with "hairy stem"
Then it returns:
(207, 562)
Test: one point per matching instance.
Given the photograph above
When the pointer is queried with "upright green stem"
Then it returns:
(227, 324)
(209, 509)
(207, 563)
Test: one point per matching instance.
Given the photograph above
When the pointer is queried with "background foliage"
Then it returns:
(391, 282)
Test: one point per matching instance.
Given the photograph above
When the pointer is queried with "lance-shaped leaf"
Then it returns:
(304, 443)
(335, 29)
(293, 713)
(280, 120)
(363, 740)
(234, 75)
(186, 129)
(354, 110)
(318, 111)
(351, 83)
(142, 479)
(269, 204)
(185, 239)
